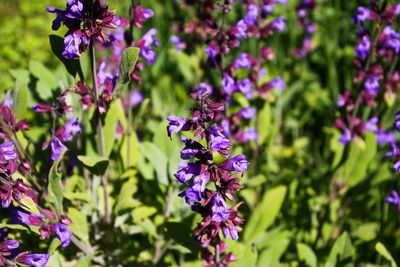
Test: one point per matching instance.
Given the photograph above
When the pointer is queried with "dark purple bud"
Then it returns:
(41, 108)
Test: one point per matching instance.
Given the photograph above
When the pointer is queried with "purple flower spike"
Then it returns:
(176, 125)
(57, 147)
(394, 199)
(220, 211)
(238, 163)
(63, 234)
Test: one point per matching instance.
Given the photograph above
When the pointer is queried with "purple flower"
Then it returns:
(372, 124)
(35, 260)
(196, 189)
(187, 171)
(7, 151)
(250, 134)
(363, 47)
(145, 45)
(363, 14)
(392, 39)
(63, 234)
(394, 199)
(57, 147)
(212, 51)
(385, 137)
(345, 137)
(176, 125)
(266, 10)
(238, 163)
(278, 83)
(204, 89)
(247, 113)
(218, 141)
(220, 211)
(9, 245)
(8, 100)
(136, 98)
(240, 30)
(252, 14)
(395, 153)
(397, 121)
(230, 231)
(228, 84)
(242, 62)
(279, 24)
(372, 84)
(177, 42)
(192, 148)
(70, 129)
(246, 87)
(73, 45)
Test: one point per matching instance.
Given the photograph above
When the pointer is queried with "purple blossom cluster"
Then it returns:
(64, 134)
(85, 22)
(15, 194)
(203, 167)
(376, 58)
(304, 13)
(245, 75)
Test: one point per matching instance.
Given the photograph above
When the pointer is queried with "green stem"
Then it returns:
(99, 128)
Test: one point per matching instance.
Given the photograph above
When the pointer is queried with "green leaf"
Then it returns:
(55, 187)
(342, 253)
(306, 255)
(381, 249)
(20, 100)
(270, 257)
(265, 213)
(13, 226)
(359, 159)
(79, 225)
(244, 253)
(125, 198)
(29, 205)
(129, 59)
(157, 158)
(72, 65)
(95, 164)
(55, 243)
(110, 125)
